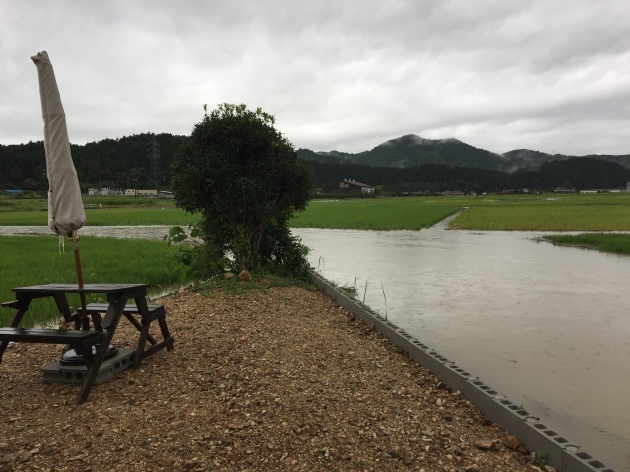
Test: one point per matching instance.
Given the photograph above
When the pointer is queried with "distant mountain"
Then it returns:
(526, 159)
(332, 157)
(411, 150)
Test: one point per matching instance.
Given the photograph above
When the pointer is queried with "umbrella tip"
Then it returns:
(41, 56)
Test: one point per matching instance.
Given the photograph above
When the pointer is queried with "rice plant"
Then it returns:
(35, 260)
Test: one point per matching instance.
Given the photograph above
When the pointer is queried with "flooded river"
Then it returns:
(123, 232)
(546, 326)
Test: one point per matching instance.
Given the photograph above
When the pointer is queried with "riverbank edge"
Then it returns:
(534, 435)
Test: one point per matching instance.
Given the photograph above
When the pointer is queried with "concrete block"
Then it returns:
(55, 372)
(575, 460)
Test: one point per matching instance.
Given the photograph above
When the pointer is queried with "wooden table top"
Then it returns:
(74, 288)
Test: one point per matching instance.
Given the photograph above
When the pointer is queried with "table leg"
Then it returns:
(21, 306)
(112, 317)
(165, 332)
(62, 305)
(147, 319)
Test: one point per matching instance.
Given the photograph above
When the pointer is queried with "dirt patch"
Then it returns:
(283, 379)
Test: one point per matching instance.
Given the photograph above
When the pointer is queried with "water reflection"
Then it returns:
(544, 325)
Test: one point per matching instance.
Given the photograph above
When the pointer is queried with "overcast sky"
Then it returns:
(548, 75)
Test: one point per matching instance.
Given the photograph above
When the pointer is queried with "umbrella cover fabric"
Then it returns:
(65, 205)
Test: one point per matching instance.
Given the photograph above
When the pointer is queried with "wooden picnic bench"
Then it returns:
(80, 339)
(130, 311)
(104, 326)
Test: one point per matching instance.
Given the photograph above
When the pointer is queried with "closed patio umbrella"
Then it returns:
(65, 206)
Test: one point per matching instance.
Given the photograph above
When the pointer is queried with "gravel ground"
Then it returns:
(267, 380)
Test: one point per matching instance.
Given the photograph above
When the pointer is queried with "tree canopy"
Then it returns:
(246, 180)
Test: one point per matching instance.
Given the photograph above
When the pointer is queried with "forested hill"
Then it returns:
(412, 150)
(116, 163)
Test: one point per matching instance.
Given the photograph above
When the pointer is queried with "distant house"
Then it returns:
(105, 191)
(132, 192)
(453, 193)
(426, 193)
(348, 186)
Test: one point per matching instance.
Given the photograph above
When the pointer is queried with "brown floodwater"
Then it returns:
(545, 326)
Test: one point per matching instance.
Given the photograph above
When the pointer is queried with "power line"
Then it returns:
(154, 165)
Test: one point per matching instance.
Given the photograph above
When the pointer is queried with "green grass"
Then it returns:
(375, 214)
(112, 211)
(545, 218)
(589, 212)
(33, 260)
(609, 242)
(35, 202)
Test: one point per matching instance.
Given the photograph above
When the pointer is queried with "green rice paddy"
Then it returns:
(545, 218)
(614, 243)
(375, 214)
(34, 260)
(599, 212)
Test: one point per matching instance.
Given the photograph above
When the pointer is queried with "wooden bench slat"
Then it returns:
(50, 336)
(129, 308)
(11, 304)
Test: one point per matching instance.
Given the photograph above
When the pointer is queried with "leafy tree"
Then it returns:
(246, 180)
(30, 184)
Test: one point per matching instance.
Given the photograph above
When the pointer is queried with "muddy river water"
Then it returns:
(546, 326)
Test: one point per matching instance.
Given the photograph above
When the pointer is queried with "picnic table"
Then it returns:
(82, 338)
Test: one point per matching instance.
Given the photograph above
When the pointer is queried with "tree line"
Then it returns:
(115, 163)
(125, 163)
(577, 173)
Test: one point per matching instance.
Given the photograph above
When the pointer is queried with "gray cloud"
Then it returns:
(550, 76)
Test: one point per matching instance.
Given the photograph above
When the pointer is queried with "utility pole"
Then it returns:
(154, 165)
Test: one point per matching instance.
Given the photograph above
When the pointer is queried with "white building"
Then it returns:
(132, 192)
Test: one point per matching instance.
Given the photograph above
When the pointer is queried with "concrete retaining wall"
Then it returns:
(534, 435)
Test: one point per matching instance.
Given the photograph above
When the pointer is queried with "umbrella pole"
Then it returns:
(77, 260)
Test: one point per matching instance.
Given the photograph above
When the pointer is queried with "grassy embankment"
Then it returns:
(612, 243)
